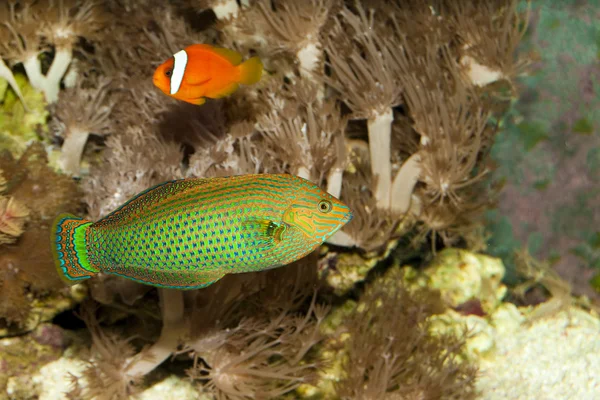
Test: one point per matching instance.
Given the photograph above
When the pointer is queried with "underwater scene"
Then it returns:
(299, 199)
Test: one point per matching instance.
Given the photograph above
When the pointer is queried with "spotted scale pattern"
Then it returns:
(189, 233)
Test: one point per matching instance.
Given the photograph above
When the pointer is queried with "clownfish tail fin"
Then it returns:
(250, 71)
(69, 248)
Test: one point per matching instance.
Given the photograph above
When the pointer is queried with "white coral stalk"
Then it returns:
(82, 112)
(404, 184)
(72, 150)
(39, 27)
(49, 84)
(334, 181)
(173, 329)
(336, 173)
(303, 172)
(380, 132)
(365, 71)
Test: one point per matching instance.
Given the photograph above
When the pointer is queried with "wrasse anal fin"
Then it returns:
(171, 279)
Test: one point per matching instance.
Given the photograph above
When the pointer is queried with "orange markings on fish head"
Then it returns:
(316, 213)
(162, 75)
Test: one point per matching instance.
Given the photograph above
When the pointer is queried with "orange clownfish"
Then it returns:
(201, 71)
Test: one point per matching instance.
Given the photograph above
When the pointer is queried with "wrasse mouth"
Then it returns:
(348, 217)
(345, 217)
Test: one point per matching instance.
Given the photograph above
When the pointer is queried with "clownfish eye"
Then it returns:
(168, 72)
(324, 206)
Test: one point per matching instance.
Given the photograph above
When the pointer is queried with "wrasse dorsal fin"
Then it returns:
(233, 57)
(168, 188)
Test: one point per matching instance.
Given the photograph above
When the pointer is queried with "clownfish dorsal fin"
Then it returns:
(233, 57)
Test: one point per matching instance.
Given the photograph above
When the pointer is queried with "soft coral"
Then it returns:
(392, 353)
(33, 28)
(81, 112)
(26, 266)
(259, 357)
(247, 337)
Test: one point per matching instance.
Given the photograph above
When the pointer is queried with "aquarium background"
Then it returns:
(464, 136)
(547, 150)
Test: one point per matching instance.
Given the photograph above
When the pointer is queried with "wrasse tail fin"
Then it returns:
(68, 242)
(250, 71)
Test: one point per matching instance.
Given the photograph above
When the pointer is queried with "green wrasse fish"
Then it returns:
(188, 233)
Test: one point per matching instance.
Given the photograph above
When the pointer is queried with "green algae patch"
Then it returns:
(583, 126)
(18, 127)
(595, 282)
(532, 133)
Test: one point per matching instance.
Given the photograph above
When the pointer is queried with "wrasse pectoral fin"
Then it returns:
(267, 231)
(227, 90)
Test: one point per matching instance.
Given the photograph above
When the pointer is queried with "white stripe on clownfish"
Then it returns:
(179, 64)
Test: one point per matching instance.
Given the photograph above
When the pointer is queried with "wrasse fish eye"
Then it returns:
(189, 233)
(200, 71)
(324, 206)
